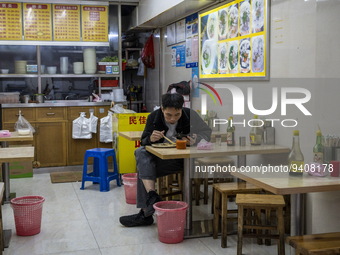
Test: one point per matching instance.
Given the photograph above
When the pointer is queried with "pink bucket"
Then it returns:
(171, 219)
(130, 187)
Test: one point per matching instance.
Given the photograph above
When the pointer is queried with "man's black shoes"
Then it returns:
(136, 220)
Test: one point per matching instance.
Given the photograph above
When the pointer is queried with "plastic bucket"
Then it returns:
(27, 214)
(171, 218)
(130, 187)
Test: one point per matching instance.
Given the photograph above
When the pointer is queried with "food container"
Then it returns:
(24, 131)
(9, 97)
(31, 68)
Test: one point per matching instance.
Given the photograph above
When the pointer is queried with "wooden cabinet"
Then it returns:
(77, 147)
(11, 115)
(50, 144)
(53, 142)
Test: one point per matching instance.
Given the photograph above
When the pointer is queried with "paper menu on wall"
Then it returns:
(10, 21)
(37, 22)
(66, 22)
(95, 23)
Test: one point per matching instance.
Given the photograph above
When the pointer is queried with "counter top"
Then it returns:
(56, 103)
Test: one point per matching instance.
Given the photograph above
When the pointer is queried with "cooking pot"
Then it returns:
(40, 98)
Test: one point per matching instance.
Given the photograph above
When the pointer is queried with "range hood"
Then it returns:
(151, 14)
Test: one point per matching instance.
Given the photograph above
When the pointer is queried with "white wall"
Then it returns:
(148, 9)
(304, 52)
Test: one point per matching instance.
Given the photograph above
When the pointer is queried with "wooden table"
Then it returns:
(13, 154)
(131, 135)
(189, 154)
(282, 183)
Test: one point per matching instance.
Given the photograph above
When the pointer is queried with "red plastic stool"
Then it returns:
(100, 173)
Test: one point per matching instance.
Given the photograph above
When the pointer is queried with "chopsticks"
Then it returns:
(169, 140)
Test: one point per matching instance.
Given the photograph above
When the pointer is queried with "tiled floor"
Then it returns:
(85, 222)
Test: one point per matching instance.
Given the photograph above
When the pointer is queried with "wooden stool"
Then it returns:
(170, 185)
(257, 203)
(222, 161)
(221, 193)
(317, 244)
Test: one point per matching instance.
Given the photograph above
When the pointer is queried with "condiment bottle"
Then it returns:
(230, 132)
(256, 132)
(295, 157)
(318, 148)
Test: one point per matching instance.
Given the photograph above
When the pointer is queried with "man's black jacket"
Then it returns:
(189, 123)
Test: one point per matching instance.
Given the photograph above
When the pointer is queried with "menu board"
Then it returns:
(37, 22)
(233, 40)
(10, 21)
(66, 22)
(95, 23)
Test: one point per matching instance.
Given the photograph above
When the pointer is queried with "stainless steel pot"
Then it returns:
(40, 98)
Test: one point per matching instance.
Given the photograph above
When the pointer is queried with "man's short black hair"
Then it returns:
(172, 101)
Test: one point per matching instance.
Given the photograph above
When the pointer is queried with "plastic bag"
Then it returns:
(140, 68)
(118, 108)
(93, 123)
(106, 129)
(23, 124)
(148, 54)
(81, 127)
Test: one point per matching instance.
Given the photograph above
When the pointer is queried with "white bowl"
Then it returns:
(5, 71)
(51, 69)
(24, 131)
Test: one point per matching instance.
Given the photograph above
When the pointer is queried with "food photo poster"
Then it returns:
(233, 41)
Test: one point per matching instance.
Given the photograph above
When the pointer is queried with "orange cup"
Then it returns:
(181, 144)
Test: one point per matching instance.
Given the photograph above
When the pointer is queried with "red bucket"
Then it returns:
(130, 187)
(171, 219)
(27, 214)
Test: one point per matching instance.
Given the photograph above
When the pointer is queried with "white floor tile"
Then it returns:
(86, 222)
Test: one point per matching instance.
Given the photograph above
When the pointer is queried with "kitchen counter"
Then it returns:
(57, 103)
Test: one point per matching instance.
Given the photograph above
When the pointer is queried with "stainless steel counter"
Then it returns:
(57, 103)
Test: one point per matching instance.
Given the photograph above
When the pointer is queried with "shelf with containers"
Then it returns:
(40, 54)
(133, 84)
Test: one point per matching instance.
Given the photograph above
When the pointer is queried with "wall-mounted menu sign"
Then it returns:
(37, 22)
(95, 23)
(87, 23)
(10, 21)
(233, 40)
(66, 22)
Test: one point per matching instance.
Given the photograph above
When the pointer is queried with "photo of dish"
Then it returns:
(208, 57)
(212, 26)
(233, 56)
(222, 58)
(163, 145)
(258, 15)
(258, 54)
(223, 24)
(233, 21)
(245, 18)
(245, 56)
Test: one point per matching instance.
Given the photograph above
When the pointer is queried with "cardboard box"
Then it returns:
(20, 169)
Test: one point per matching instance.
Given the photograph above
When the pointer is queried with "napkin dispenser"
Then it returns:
(5, 133)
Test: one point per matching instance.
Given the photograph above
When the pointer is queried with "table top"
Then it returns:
(282, 183)
(131, 135)
(16, 138)
(12, 154)
(217, 151)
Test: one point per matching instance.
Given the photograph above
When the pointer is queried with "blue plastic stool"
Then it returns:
(100, 172)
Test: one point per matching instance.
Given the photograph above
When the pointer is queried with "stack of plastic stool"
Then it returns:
(100, 173)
